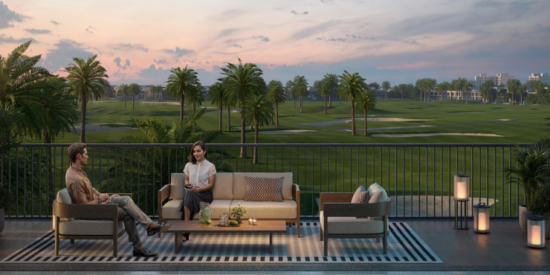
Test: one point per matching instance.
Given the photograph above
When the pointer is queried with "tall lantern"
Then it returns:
(481, 218)
(536, 232)
(462, 187)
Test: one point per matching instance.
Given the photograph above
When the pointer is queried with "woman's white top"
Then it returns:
(200, 172)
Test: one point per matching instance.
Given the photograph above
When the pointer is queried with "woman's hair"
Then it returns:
(192, 158)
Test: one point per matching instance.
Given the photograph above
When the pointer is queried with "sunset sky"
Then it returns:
(395, 40)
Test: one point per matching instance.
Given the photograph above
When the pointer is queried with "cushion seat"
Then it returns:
(268, 209)
(88, 227)
(171, 210)
(352, 225)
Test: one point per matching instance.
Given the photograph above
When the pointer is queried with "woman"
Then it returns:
(199, 180)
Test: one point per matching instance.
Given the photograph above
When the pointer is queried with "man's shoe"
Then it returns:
(145, 253)
(160, 228)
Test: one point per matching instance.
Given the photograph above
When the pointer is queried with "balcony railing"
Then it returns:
(418, 177)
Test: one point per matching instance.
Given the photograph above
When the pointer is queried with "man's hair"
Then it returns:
(75, 149)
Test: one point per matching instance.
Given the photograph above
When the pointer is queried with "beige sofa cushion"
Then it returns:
(177, 186)
(268, 209)
(359, 195)
(223, 187)
(351, 225)
(63, 196)
(88, 227)
(171, 210)
(239, 185)
(378, 194)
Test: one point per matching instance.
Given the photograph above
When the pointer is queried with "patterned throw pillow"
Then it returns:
(357, 195)
(263, 189)
(365, 196)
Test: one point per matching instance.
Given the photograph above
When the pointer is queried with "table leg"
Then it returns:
(178, 241)
(270, 243)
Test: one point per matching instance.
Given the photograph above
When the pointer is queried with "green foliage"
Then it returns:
(275, 92)
(238, 211)
(532, 170)
(257, 111)
(9, 116)
(7, 198)
(366, 101)
(181, 83)
(540, 203)
(59, 108)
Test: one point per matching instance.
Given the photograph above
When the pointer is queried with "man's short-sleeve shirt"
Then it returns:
(77, 182)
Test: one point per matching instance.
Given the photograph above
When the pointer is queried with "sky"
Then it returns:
(395, 40)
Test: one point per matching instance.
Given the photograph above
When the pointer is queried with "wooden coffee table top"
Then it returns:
(196, 226)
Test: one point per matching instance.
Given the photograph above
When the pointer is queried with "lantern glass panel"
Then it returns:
(536, 233)
(481, 218)
(462, 187)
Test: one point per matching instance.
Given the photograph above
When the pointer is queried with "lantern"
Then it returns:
(536, 232)
(481, 218)
(462, 185)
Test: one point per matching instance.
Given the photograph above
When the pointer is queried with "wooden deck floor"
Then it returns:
(504, 249)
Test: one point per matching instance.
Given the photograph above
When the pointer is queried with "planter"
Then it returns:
(2, 219)
(523, 216)
(239, 220)
(546, 226)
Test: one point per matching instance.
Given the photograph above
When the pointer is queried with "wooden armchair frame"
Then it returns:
(338, 205)
(87, 211)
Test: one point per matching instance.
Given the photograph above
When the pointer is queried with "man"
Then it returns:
(82, 192)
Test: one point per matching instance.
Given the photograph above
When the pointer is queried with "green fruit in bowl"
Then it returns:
(233, 222)
(209, 221)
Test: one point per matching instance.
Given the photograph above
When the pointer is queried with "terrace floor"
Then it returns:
(504, 249)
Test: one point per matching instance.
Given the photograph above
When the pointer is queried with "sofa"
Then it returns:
(340, 218)
(228, 191)
(85, 221)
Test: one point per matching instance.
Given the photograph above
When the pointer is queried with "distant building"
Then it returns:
(542, 77)
(499, 79)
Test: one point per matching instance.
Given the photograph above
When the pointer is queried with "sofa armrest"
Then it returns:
(361, 210)
(334, 197)
(164, 193)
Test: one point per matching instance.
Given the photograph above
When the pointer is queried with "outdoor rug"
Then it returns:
(404, 247)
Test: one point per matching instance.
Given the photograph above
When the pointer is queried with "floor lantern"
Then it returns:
(461, 196)
(536, 232)
(481, 218)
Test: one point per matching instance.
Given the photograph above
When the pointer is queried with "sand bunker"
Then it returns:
(287, 131)
(436, 134)
(157, 103)
(102, 128)
(505, 119)
(391, 119)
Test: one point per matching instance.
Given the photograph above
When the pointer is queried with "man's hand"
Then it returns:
(103, 197)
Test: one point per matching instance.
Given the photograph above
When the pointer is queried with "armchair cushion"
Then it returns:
(268, 209)
(361, 195)
(171, 210)
(352, 225)
(88, 227)
(63, 196)
(177, 186)
(378, 194)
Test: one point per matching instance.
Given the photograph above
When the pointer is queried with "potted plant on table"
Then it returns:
(531, 172)
(238, 212)
(6, 201)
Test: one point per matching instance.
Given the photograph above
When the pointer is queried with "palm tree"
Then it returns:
(124, 89)
(324, 90)
(257, 112)
(293, 92)
(332, 82)
(88, 79)
(218, 94)
(420, 86)
(58, 107)
(386, 86)
(442, 88)
(134, 90)
(367, 102)
(350, 87)
(20, 84)
(430, 85)
(276, 95)
(243, 81)
(181, 83)
(300, 88)
(467, 87)
(513, 86)
(196, 97)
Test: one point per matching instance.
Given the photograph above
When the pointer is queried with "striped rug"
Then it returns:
(404, 247)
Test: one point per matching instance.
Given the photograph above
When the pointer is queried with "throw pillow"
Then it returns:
(357, 196)
(365, 196)
(263, 189)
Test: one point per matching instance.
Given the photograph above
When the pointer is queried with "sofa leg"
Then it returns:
(377, 240)
(321, 234)
(298, 225)
(159, 235)
(385, 244)
(72, 241)
(56, 245)
(325, 247)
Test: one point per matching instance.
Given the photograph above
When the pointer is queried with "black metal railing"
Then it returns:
(418, 177)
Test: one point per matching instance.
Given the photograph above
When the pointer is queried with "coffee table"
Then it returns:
(262, 226)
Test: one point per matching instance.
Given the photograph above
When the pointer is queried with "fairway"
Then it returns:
(503, 123)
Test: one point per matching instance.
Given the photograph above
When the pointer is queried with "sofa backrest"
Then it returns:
(239, 185)
(223, 186)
